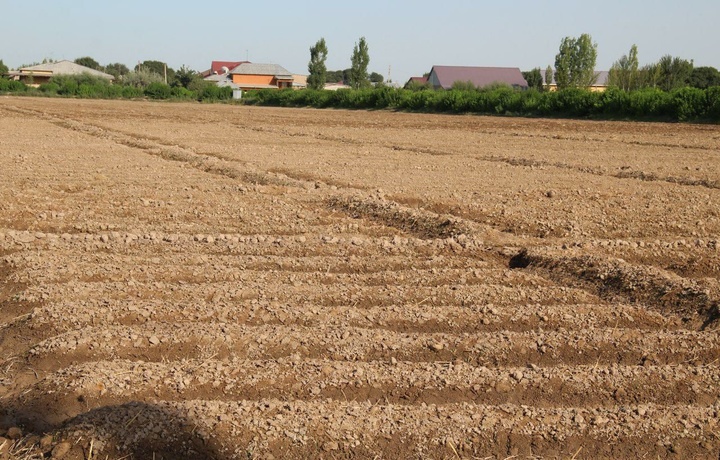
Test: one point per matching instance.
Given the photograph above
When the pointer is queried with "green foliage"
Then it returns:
(316, 67)
(337, 76)
(212, 92)
(575, 62)
(49, 88)
(131, 92)
(376, 78)
(689, 103)
(625, 73)
(701, 77)
(674, 72)
(141, 78)
(3, 68)
(534, 79)
(713, 102)
(12, 86)
(158, 90)
(87, 61)
(157, 67)
(650, 102)
(117, 70)
(463, 86)
(360, 60)
(184, 77)
(84, 85)
(653, 104)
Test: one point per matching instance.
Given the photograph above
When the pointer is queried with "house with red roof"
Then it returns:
(221, 67)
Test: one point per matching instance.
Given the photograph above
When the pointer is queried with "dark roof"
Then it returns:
(445, 76)
(420, 80)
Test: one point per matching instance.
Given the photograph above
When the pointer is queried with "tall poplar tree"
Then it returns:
(316, 66)
(625, 72)
(359, 65)
(575, 62)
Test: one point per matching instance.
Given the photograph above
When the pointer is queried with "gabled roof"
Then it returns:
(63, 68)
(419, 80)
(275, 70)
(445, 76)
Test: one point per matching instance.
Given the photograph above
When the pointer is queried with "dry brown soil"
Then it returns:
(228, 282)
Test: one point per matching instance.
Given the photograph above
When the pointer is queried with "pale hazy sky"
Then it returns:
(409, 36)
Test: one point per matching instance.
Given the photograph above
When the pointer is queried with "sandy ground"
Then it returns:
(216, 281)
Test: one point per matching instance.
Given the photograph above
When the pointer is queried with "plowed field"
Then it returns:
(215, 281)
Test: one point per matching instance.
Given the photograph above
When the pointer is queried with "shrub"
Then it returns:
(650, 102)
(49, 88)
(142, 78)
(131, 92)
(688, 103)
(713, 102)
(212, 92)
(158, 91)
(12, 86)
(576, 102)
(615, 102)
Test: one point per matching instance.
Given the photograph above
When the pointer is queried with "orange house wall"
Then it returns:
(254, 79)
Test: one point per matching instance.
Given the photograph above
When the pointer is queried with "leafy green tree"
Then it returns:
(701, 77)
(575, 62)
(184, 76)
(359, 64)
(316, 66)
(625, 72)
(117, 70)
(142, 78)
(334, 76)
(549, 74)
(674, 72)
(87, 61)
(534, 79)
(649, 76)
(3, 68)
(158, 68)
(376, 77)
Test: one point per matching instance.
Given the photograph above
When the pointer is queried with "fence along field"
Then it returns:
(244, 282)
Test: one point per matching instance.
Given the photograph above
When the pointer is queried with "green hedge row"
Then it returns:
(85, 86)
(681, 104)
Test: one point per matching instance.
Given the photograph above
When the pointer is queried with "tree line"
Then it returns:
(575, 68)
(356, 76)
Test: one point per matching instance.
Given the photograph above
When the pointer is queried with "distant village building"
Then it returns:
(443, 77)
(600, 84)
(416, 81)
(247, 75)
(299, 81)
(36, 75)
